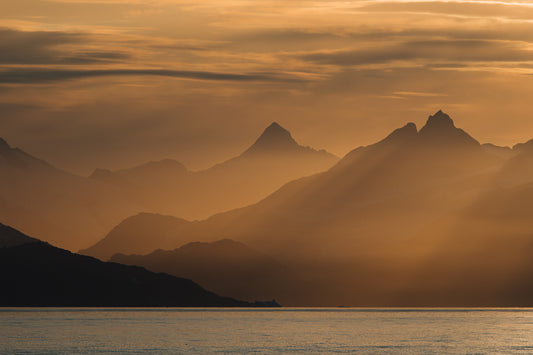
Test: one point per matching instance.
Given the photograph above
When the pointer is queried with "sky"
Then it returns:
(112, 84)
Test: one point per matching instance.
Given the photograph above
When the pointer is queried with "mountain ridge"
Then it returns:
(42, 275)
(56, 203)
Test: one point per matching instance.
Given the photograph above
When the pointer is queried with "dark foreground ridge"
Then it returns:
(37, 274)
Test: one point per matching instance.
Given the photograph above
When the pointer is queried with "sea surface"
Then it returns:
(265, 331)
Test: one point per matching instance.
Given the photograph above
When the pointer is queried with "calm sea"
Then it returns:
(60, 331)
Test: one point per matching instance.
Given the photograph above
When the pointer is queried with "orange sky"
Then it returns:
(96, 83)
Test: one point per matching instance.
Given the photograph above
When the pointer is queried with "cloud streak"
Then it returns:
(49, 47)
(40, 76)
(462, 51)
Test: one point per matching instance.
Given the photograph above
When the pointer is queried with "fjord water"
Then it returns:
(55, 331)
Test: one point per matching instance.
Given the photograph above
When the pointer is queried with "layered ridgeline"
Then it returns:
(425, 217)
(34, 273)
(73, 212)
(226, 267)
(274, 159)
(59, 207)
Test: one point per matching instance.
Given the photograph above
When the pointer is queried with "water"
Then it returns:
(135, 331)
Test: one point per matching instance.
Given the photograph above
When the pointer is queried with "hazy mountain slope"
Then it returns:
(406, 179)
(34, 273)
(74, 212)
(391, 223)
(57, 206)
(225, 267)
(130, 235)
(273, 160)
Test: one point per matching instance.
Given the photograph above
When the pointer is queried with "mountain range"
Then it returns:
(425, 217)
(167, 187)
(72, 211)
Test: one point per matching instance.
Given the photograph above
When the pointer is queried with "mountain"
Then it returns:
(131, 234)
(225, 266)
(37, 274)
(73, 212)
(440, 130)
(276, 139)
(167, 187)
(367, 185)
(393, 224)
(43, 200)
(273, 160)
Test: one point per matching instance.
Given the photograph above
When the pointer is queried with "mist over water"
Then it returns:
(322, 330)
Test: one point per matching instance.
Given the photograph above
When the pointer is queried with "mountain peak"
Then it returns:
(273, 138)
(439, 120)
(275, 134)
(440, 130)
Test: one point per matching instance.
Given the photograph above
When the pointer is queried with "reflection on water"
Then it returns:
(38, 331)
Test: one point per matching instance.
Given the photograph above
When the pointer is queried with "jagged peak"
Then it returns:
(274, 126)
(439, 120)
(440, 129)
(274, 137)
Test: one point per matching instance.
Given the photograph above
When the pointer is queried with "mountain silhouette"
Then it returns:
(386, 225)
(47, 202)
(43, 200)
(38, 274)
(274, 138)
(167, 187)
(225, 266)
(405, 165)
(440, 130)
(425, 217)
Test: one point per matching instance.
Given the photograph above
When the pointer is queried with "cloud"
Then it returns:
(418, 94)
(495, 9)
(51, 47)
(426, 50)
(38, 76)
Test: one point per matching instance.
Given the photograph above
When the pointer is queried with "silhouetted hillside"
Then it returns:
(225, 266)
(37, 274)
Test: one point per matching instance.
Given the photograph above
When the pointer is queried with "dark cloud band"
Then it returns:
(37, 76)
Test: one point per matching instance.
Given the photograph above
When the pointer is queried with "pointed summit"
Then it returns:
(273, 138)
(439, 120)
(441, 131)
